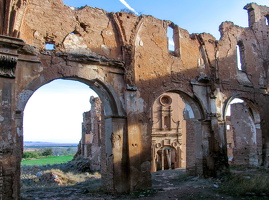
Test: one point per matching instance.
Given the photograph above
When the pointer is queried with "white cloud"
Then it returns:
(128, 6)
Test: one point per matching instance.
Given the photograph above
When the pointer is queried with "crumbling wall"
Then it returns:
(245, 135)
(125, 59)
(84, 31)
(92, 135)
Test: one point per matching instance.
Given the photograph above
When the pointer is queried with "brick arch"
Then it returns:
(250, 103)
(190, 144)
(113, 105)
(244, 147)
(188, 98)
(113, 157)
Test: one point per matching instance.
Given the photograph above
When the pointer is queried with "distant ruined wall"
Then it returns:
(125, 59)
(92, 136)
(247, 138)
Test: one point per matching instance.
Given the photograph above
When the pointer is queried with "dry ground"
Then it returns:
(169, 184)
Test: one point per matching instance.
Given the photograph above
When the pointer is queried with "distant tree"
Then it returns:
(30, 155)
(46, 152)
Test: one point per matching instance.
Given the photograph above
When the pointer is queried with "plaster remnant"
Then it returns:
(106, 49)
(75, 44)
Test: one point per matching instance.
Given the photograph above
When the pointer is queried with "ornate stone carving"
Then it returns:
(9, 55)
(115, 138)
(8, 65)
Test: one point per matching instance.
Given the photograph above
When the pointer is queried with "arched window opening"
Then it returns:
(244, 140)
(240, 55)
(62, 120)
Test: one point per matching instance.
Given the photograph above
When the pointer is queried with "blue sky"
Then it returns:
(54, 112)
(197, 16)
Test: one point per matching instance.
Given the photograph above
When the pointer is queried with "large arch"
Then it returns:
(191, 145)
(113, 106)
(113, 154)
(243, 132)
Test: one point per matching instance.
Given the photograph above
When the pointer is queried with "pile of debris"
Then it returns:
(49, 177)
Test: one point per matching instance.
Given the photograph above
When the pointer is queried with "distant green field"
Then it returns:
(48, 160)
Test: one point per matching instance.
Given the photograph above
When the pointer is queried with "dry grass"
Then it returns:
(246, 183)
(71, 178)
(30, 179)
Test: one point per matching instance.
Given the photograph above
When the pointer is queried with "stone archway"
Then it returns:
(177, 133)
(243, 132)
(113, 154)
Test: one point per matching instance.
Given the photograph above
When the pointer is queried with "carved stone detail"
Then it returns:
(9, 55)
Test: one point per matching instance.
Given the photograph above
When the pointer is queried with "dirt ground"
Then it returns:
(169, 184)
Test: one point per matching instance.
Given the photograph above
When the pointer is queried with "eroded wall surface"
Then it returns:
(125, 59)
(90, 144)
(246, 137)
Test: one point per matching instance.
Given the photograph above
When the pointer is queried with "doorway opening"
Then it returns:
(243, 133)
(174, 132)
(55, 119)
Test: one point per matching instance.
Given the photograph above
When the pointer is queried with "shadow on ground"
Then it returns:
(169, 184)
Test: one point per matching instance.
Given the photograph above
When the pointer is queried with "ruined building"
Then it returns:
(90, 143)
(244, 138)
(125, 59)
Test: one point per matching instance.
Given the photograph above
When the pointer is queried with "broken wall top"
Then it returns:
(142, 43)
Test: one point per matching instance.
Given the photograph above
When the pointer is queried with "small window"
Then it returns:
(240, 54)
(170, 37)
(267, 20)
(228, 127)
(49, 46)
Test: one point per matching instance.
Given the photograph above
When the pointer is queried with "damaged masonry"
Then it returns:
(162, 109)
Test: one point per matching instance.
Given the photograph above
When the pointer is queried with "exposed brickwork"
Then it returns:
(246, 136)
(125, 59)
(92, 136)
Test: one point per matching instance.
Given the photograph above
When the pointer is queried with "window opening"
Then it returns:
(170, 37)
(240, 55)
(49, 46)
(267, 20)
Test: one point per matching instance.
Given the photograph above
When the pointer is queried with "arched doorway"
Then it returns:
(166, 158)
(243, 132)
(52, 128)
(54, 113)
(114, 177)
(176, 133)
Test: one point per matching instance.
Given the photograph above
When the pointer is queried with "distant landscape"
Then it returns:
(49, 144)
(42, 153)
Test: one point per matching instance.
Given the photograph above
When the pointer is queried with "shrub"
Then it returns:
(46, 152)
(30, 155)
